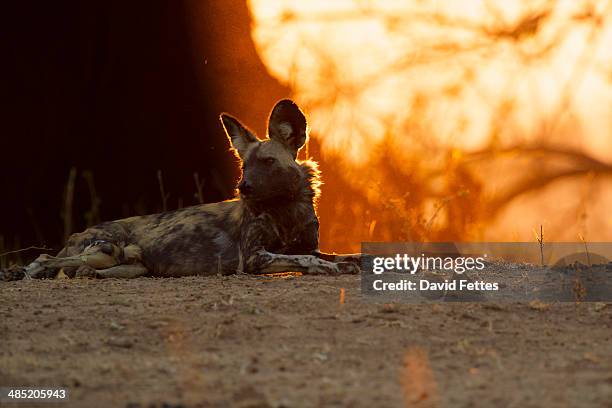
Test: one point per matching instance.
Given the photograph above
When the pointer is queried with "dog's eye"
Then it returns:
(270, 160)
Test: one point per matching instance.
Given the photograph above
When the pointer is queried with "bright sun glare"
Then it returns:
(456, 75)
(373, 60)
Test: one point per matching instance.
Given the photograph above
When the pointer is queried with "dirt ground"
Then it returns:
(249, 341)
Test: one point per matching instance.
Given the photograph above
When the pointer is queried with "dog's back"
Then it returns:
(198, 240)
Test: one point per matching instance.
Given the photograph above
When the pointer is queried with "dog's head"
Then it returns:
(269, 167)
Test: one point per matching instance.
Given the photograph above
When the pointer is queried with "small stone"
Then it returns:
(123, 343)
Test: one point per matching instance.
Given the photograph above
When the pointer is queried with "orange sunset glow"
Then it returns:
(452, 120)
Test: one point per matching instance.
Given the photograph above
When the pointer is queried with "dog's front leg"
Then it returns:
(261, 235)
(263, 261)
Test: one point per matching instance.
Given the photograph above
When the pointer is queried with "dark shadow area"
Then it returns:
(118, 91)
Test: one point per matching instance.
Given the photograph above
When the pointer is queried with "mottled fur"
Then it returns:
(271, 226)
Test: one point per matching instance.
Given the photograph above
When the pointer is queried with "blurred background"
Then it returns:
(470, 121)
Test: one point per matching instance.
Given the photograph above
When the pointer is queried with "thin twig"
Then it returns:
(540, 239)
(92, 216)
(586, 249)
(25, 249)
(542, 244)
(198, 184)
(68, 203)
(162, 191)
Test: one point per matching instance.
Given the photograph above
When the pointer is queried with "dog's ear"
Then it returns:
(239, 136)
(287, 125)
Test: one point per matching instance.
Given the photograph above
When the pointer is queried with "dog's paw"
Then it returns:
(85, 271)
(348, 268)
(36, 271)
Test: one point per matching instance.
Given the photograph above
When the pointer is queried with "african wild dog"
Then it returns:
(270, 227)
